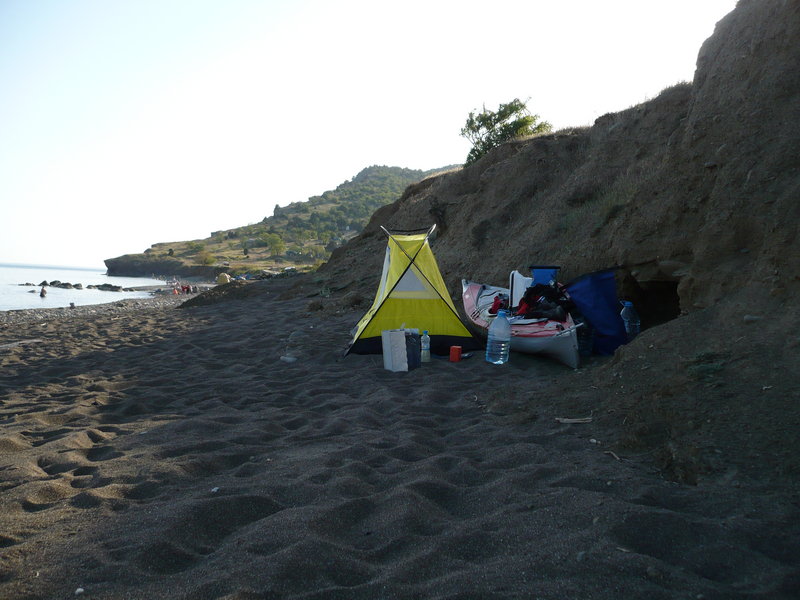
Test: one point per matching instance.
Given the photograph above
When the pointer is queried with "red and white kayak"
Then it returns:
(551, 338)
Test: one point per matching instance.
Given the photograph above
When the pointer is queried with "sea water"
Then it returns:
(14, 296)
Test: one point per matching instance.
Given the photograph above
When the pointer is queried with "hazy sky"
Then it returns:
(129, 122)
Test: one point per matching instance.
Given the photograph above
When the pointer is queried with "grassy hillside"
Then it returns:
(301, 235)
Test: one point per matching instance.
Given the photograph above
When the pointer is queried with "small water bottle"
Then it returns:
(499, 341)
(425, 345)
(631, 319)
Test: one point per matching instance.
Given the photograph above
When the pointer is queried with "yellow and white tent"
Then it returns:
(411, 294)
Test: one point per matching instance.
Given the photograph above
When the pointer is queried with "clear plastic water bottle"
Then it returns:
(631, 319)
(425, 342)
(499, 341)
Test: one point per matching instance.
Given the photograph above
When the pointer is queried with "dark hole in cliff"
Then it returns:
(656, 301)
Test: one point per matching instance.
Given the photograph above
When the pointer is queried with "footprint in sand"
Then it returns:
(7, 542)
(43, 437)
(45, 495)
(102, 453)
(200, 529)
(14, 443)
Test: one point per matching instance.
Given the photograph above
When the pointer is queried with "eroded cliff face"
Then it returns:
(743, 125)
(694, 193)
(696, 196)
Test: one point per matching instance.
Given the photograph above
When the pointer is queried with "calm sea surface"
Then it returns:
(15, 296)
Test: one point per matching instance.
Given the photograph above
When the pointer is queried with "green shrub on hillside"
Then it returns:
(489, 129)
(205, 258)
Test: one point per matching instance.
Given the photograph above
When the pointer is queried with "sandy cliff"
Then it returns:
(695, 194)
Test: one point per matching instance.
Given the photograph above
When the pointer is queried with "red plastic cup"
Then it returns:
(455, 353)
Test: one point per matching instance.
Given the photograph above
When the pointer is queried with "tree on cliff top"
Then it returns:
(488, 129)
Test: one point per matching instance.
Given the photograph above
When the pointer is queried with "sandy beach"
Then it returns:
(153, 451)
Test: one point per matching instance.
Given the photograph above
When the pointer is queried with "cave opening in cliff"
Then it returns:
(657, 302)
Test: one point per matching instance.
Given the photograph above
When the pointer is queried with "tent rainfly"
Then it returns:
(411, 294)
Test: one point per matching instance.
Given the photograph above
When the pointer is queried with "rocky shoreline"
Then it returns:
(65, 285)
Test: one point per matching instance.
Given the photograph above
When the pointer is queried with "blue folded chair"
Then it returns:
(544, 274)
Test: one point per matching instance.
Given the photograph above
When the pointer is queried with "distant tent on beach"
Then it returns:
(411, 294)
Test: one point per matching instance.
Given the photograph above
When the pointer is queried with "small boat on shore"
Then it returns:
(550, 337)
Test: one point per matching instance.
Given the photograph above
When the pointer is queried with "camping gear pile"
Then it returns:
(560, 321)
(541, 322)
(547, 318)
